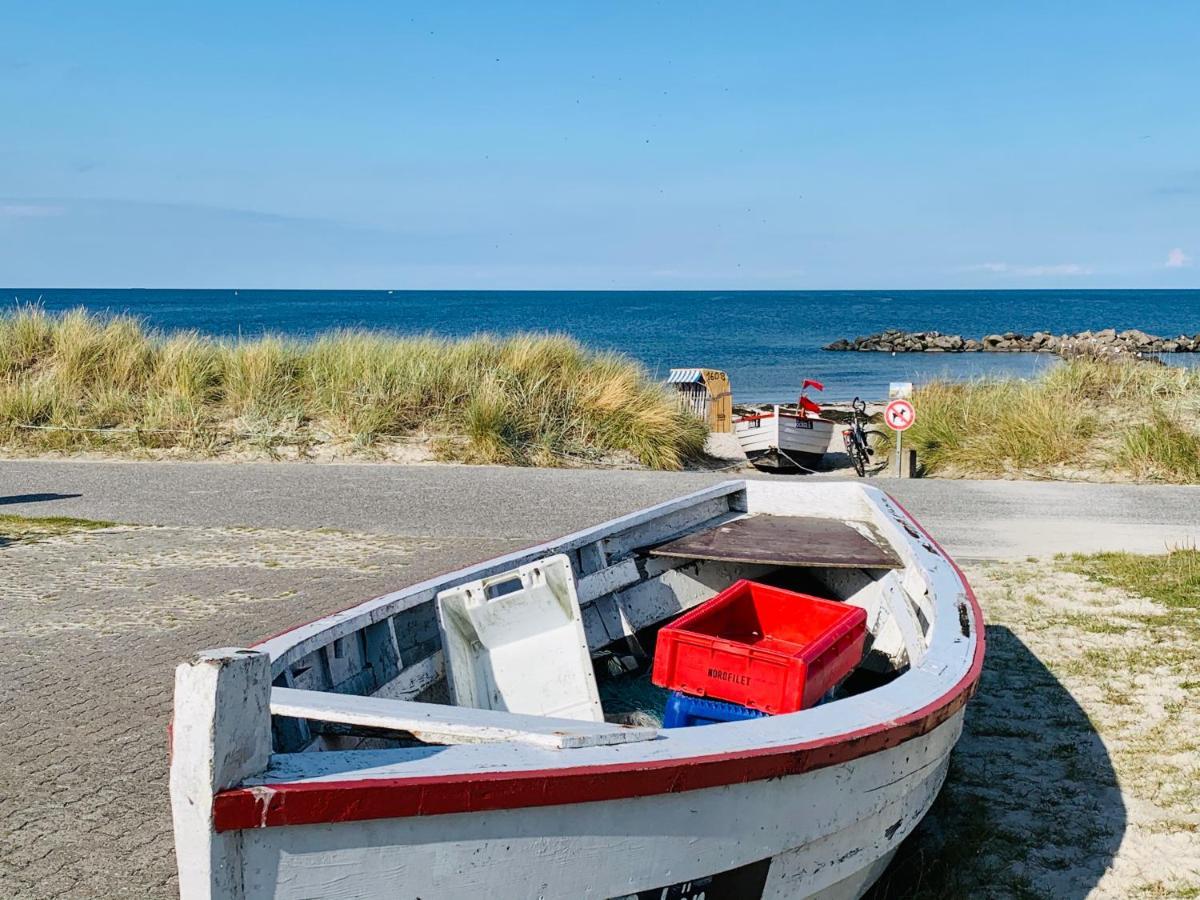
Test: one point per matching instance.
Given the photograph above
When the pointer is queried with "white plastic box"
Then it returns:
(515, 642)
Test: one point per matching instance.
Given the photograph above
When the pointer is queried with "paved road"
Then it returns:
(974, 519)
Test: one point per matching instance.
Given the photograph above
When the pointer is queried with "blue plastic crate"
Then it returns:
(684, 711)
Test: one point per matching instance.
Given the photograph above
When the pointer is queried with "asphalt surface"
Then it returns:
(973, 519)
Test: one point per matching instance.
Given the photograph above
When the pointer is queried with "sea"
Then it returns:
(767, 341)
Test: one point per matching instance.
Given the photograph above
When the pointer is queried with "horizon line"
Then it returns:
(513, 290)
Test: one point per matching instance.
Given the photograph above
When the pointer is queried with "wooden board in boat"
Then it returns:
(783, 541)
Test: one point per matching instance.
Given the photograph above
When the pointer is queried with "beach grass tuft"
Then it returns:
(1161, 450)
(1172, 578)
(79, 381)
(1126, 419)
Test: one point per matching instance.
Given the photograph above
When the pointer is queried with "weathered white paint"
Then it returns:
(678, 590)
(705, 513)
(901, 615)
(796, 874)
(851, 887)
(220, 736)
(414, 679)
(441, 724)
(830, 823)
(807, 872)
(781, 432)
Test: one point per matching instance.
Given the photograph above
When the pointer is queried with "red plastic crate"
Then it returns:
(763, 647)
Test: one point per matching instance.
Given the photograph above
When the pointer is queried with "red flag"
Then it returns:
(810, 405)
(809, 383)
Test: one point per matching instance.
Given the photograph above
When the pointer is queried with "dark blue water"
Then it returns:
(767, 341)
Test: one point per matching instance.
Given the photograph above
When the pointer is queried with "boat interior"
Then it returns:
(447, 661)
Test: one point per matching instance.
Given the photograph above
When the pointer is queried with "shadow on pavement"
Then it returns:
(1031, 806)
(35, 498)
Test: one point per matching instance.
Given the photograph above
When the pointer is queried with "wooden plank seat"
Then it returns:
(784, 541)
(441, 724)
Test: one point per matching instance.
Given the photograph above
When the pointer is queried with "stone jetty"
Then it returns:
(1086, 343)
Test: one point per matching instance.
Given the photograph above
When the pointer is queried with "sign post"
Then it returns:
(899, 416)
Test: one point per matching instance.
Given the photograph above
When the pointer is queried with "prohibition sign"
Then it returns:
(899, 415)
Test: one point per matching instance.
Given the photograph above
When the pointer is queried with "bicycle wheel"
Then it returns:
(856, 452)
(875, 438)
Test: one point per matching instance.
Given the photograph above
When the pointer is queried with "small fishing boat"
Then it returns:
(388, 750)
(782, 438)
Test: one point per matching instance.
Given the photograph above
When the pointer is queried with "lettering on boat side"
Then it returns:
(743, 883)
(731, 677)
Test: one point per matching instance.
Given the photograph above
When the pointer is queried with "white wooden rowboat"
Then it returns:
(324, 762)
(783, 437)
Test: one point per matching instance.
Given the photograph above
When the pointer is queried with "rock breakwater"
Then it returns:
(1108, 342)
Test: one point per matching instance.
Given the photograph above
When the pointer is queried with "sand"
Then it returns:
(1078, 774)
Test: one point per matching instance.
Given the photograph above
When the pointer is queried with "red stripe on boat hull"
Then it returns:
(309, 803)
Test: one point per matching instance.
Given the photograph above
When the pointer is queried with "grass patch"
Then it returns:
(83, 382)
(1172, 579)
(26, 528)
(1133, 417)
(1094, 623)
(1161, 450)
(1177, 891)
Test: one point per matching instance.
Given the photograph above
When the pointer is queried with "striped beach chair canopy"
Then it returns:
(686, 376)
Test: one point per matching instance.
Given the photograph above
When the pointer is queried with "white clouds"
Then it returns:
(1064, 269)
(1177, 259)
(1023, 271)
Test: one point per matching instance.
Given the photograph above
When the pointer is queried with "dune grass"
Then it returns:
(1128, 419)
(1161, 448)
(80, 382)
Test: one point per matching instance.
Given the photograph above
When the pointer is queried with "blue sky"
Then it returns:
(600, 145)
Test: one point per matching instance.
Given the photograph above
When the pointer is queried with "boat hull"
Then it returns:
(779, 440)
(807, 804)
(825, 833)
(774, 461)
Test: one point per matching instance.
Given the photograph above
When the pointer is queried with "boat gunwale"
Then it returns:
(378, 608)
(756, 417)
(315, 802)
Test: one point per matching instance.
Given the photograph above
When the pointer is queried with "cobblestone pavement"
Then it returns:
(92, 624)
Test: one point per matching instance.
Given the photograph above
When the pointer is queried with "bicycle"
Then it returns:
(858, 439)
